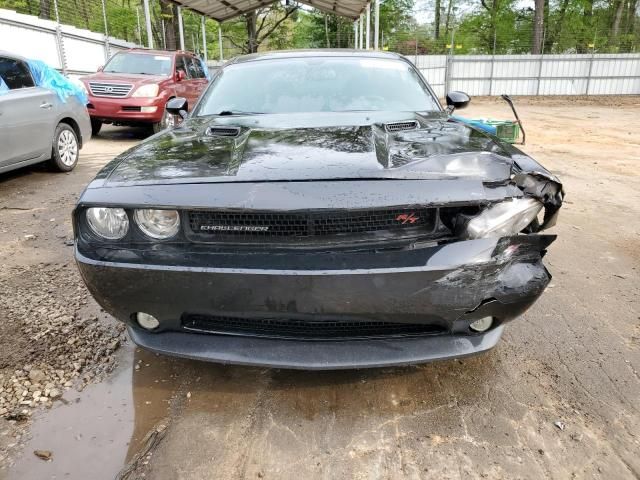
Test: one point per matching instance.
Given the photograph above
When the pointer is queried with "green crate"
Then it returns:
(506, 130)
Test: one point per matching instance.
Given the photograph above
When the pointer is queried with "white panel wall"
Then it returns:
(533, 74)
(29, 36)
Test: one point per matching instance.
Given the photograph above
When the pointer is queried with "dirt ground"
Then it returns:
(557, 398)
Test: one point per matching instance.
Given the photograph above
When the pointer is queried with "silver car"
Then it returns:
(35, 125)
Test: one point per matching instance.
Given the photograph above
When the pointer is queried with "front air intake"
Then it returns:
(398, 126)
(223, 131)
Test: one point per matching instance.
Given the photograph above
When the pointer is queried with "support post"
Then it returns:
(376, 28)
(447, 72)
(493, 61)
(544, 34)
(368, 25)
(220, 40)
(355, 34)
(107, 49)
(147, 21)
(204, 38)
(62, 58)
(361, 31)
(139, 28)
(180, 28)
(593, 54)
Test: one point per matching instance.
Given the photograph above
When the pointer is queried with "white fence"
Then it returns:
(77, 51)
(72, 50)
(599, 74)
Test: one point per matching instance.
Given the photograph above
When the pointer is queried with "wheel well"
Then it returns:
(73, 124)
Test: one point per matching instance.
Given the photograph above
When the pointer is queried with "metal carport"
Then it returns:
(221, 10)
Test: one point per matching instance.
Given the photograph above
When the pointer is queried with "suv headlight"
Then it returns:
(158, 224)
(148, 91)
(109, 223)
(504, 219)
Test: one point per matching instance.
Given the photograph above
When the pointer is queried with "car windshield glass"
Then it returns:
(142, 63)
(324, 84)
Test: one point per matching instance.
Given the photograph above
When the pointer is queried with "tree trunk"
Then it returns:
(551, 37)
(252, 40)
(631, 20)
(169, 13)
(448, 20)
(436, 21)
(338, 25)
(326, 30)
(538, 27)
(45, 9)
(617, 16)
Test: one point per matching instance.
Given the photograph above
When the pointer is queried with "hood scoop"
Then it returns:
(223, 131)
(399, 126)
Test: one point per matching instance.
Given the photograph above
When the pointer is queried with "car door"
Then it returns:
(184, 88)
(27, 115)
(199, 78)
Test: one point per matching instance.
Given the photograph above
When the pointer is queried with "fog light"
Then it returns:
(146, 321)
(481, 325)
(148, 109)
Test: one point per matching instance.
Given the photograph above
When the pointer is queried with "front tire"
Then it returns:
(65, 149)
(167, 121)
(96, 125)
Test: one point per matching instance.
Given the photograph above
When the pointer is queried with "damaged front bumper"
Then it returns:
(446, 287)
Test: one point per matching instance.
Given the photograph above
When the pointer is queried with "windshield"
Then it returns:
(325, 84)
(142, 63)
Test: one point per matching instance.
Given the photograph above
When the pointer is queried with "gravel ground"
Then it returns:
(557, 398)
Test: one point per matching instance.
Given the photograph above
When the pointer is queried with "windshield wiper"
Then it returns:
(236, 112)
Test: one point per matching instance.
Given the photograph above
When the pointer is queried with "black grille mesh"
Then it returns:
(303, 328)
(309, 224)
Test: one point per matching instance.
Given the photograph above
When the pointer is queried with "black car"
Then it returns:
(318, 210)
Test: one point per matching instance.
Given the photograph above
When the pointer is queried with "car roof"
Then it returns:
(4, 53)
(317, 52)
(159, 52)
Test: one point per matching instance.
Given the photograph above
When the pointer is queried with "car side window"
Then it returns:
(193, 67)
(198, 66)
(181, 64)
(15, 73)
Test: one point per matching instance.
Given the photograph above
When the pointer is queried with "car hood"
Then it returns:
(136, 79)
(328, 147)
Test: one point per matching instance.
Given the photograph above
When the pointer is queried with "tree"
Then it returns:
(538, 27)
(260, 25)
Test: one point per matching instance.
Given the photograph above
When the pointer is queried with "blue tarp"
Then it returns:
(478, 124)
(205, 68)
(3, 87)
(51, 79)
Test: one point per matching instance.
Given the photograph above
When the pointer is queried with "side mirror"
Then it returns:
(457, 100)
(180, 75)
(178, 106)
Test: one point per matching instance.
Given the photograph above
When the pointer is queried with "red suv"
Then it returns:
(135, 85)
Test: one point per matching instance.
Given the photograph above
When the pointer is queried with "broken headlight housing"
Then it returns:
(503, 219)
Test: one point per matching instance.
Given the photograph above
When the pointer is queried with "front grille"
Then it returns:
(117, 90)
(304, 329)
(127, 108)
(223, 131)
(398, 126)
(296, 225)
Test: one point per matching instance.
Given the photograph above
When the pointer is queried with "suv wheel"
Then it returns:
(65, 149)
(167, 121)
(96, 125)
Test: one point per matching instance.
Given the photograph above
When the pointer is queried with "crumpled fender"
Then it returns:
(536, 181)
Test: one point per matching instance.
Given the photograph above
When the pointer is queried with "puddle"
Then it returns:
(96, 432)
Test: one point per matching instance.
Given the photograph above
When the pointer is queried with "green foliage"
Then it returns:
(477, 26)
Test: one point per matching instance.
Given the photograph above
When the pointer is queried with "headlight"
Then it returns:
(158, 224)
(148, 91)
(504, 218)
(109, 223)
